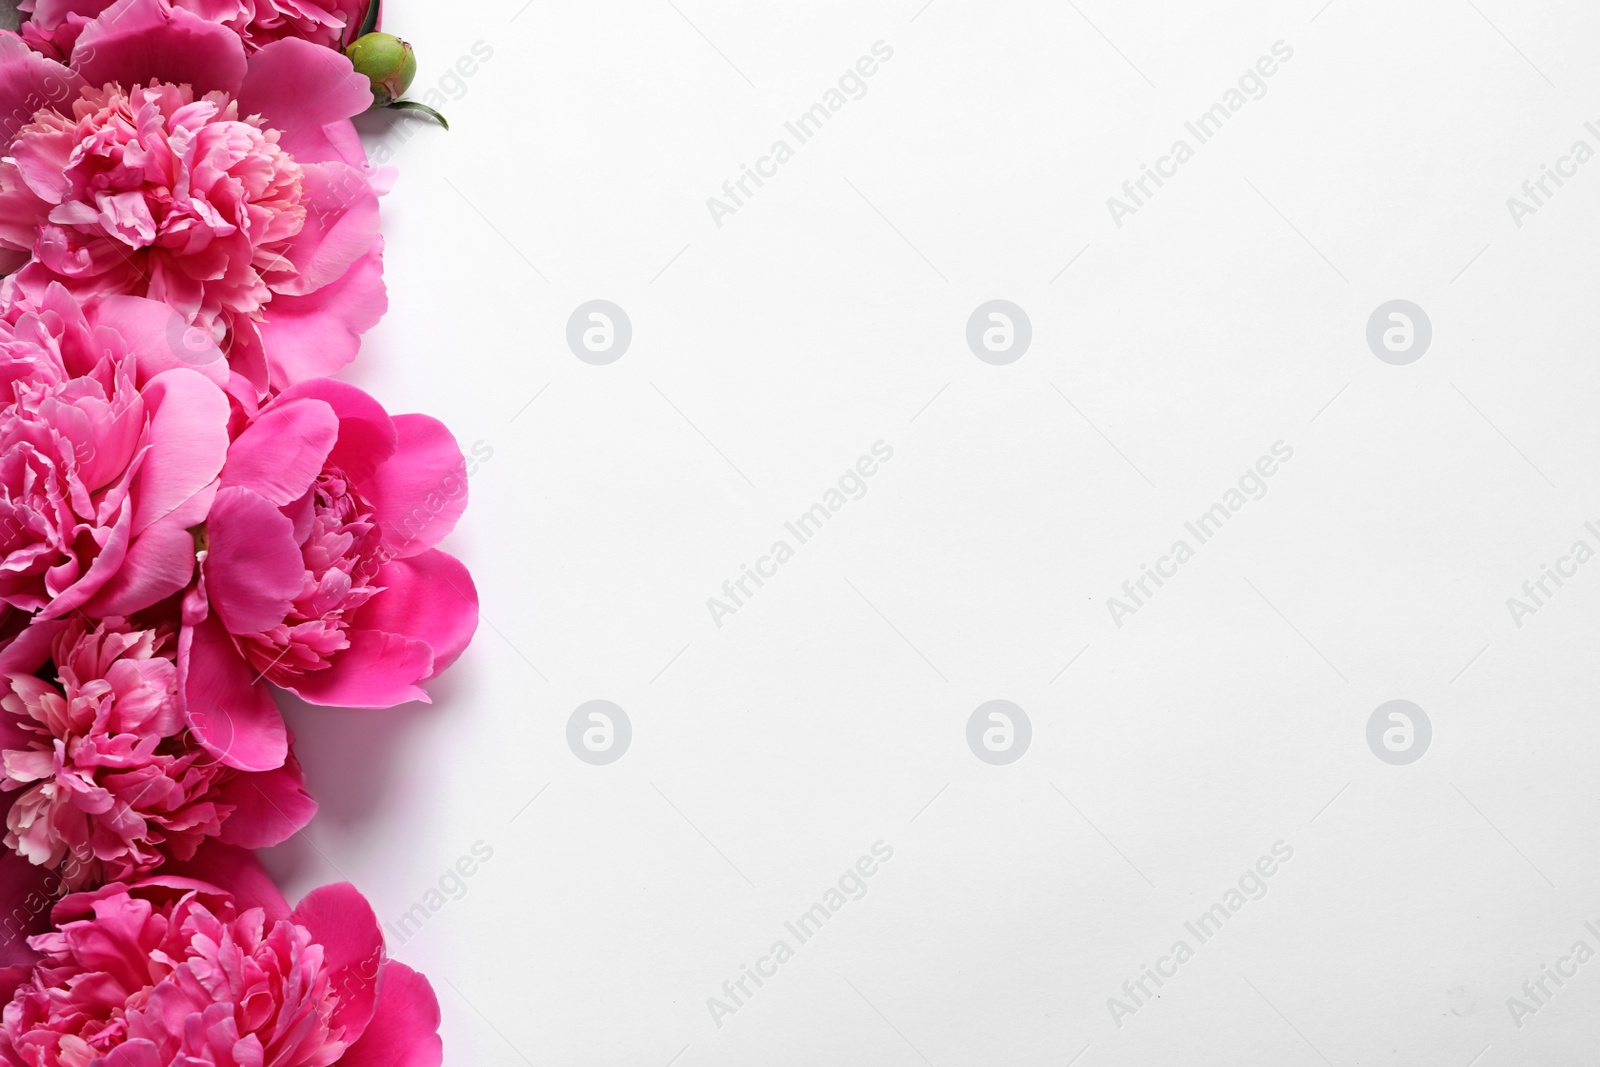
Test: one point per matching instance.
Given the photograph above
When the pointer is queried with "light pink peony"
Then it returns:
(214, 970)
(112, 435)
(319, 571)
(162, 162)
(53, 26)
(103, 780)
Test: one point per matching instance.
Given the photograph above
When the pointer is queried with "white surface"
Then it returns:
(1221, 718)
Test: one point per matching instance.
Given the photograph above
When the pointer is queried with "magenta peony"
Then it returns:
(103, 780)
(212, 969)
(111, 440)
(320, 572)
(53, 26)
(161, 161)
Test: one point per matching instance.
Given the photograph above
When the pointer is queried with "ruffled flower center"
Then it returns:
(70, 418)
(106, 781)
(157, 193)
(342, 556)
(183, 983)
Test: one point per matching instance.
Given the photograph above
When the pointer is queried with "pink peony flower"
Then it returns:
(111, 440)
(162, 162)
(102, 778)
(53, 26)
(214, 970)
(319, 571)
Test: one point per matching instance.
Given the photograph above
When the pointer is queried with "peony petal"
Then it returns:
(341, 920)
(367, 436)
(299, 88)
(160, 338)
(133, 41)
(405, 1027)
(29, 82)
(13, 976)
(30, 649)
(378, 670)
(138, 1052)
(101, 571)
(280, 454)
(55, 12)
(187, 437)
(246, 358)
(420, 493)
(428, 597)
(313, 336)
(230, 711)
(26, 892)
(253, 566)
(341, 227)
(235, 871)
(159, 563)
(268, 808)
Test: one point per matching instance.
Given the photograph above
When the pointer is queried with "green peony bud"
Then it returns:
(387, 61)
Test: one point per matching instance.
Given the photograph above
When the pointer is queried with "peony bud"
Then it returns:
(387, 61)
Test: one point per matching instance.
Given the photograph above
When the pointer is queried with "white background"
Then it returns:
(829, 313)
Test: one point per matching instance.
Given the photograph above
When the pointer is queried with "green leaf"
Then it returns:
(412, 105)
(370, 23)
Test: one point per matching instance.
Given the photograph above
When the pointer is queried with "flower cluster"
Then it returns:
(194, 515)
(211, 968)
